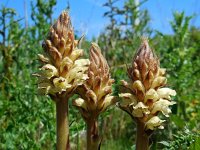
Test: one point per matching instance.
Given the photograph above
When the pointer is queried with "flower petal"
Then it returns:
(107, 102)
(61, 84)
(151, 94)
(163, 106)
(43, 58)
(66, 64)
(128, 99)
(138, 86)
(79, 102)
(158, 81)
(76, 54)
(166, 93)
(154, 122)
(49, 71)
(140, 109)
(82, 62)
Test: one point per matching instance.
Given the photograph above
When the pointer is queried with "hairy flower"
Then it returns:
(147, 94)
(62, 70)
(96, 92)
(154, 122)
(140, 110)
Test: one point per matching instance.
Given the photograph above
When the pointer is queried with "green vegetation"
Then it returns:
(27, 120)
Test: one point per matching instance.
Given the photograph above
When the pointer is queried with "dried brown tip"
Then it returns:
(98, 64)
(60, 41)
(145, 63)
(63, 25)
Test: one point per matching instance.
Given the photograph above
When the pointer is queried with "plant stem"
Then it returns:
(142, 139)
(62, 142)
(93, 139)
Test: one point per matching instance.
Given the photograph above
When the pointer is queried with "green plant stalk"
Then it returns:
(142, 139)
(93, 139)
(62, 141)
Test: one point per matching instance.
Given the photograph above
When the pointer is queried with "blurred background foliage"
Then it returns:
(27, 120)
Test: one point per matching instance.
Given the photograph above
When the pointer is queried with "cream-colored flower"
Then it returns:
(108, 101)
(159, 81)
(79, 102)
(166, 93)
(151, 94)
(49, 71)
(76, 54)
(140, 109)
(66, 64)
(154, 122)
(138, 86)
(76, 75)
(162, 71)
(43, 58)
(61, 84)
(128, 99)
(163, 106)
(82, 62)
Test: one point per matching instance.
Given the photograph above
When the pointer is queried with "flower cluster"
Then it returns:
(96, 92)
(146, 94)
(62, 70)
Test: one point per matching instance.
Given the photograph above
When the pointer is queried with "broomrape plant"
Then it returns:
(95, 95)
(146, 94)
(63, 74)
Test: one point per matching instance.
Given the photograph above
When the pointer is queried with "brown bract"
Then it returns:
(96, 92)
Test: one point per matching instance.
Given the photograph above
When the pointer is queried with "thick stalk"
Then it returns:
(93, 139)
(142, 139)
(62, 142)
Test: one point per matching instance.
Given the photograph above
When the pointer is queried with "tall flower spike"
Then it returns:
(146, 93)
(95, 94)
(62, 72)
(62, 69)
